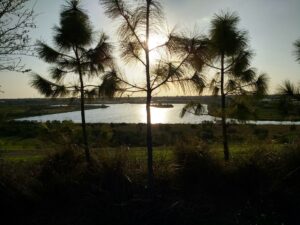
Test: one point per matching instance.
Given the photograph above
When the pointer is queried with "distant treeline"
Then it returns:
(136, 100)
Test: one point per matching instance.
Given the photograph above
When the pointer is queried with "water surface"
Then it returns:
(136, 113)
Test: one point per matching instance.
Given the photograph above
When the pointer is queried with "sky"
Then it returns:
(273, 27)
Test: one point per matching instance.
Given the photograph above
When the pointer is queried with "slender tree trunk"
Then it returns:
(82, 108)
(223, 103)
(83, 125)
(149, 144)
(148, 105)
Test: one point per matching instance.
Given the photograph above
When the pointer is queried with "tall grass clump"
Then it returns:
(65, 176)
(289, 170)
(115, 179)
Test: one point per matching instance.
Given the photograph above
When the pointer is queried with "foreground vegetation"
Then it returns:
(42, 138)
(44, 175)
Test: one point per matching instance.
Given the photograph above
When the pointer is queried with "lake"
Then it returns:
(136, 113)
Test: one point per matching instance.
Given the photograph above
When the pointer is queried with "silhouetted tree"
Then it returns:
(288, 91)
(227, 53)
(16, 21)
(73, 55)
(289, 97)
(139, 21)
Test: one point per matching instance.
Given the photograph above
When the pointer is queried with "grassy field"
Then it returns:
(26, 140)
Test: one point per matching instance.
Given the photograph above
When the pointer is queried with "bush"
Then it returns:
(261, 133)
(289, 167)
(21, 129)
(253, 172)
(197, 168)
(60, 175)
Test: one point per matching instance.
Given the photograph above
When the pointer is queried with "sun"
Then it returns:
(154, 42)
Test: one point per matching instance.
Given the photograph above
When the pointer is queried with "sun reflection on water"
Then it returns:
(158, 115)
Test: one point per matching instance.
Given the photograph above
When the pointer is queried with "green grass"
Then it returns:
(22, 140)
(135, 154)
(15, 143)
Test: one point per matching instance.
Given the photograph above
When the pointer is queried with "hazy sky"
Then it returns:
(273, 26)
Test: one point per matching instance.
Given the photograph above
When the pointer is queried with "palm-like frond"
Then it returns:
(199, 54)
(248, 75)
(231, 86)
(199, 82)
(48, 88)
(194, 49)
(167, 71)
(114, 8)
(97, 59)
(102, 54)
(91, 94)
(289, 89)
(68, 64)
(240, 63)
(297, 50)
(214, 82)
(261, 85)
(131, 52)
(111, 84)
(156, 9)
(47, 53)
(58, 74)
(215, 91)
(193, 108)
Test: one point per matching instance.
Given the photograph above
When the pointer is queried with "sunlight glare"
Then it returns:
(155, 41)
(158, 115)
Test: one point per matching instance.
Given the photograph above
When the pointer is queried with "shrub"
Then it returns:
(290, 167)
(207, 135)
(253, 172)
(114, 178)
(293, 127)
(261, 133)
(60, 174)
(197, 168)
